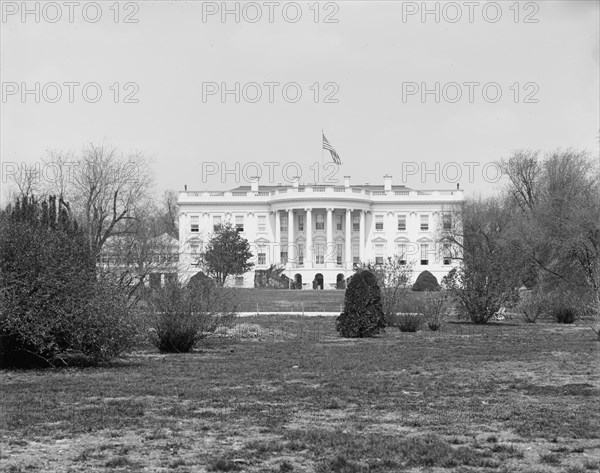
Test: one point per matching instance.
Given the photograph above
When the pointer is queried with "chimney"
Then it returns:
(346, 181)
(387, 182)
(254, 184)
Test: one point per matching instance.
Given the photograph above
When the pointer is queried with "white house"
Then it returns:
(318, 233)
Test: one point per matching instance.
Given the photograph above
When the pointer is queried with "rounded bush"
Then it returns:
(363, 314)
(426, 282)
(564, 315)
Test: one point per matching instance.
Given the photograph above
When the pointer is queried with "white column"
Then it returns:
(329, 249)
(308, 257)
(361, 243)
(206, 224)
(250, 226)
(390, 229)
(184, 233)
(276, 249)
(348, 257)
(291, 241)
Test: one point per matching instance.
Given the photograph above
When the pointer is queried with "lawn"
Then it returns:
(286, 300)
(288, 395)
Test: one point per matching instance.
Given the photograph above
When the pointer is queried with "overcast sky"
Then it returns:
(369, 60)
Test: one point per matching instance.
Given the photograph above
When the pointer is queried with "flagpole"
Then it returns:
(322, 135)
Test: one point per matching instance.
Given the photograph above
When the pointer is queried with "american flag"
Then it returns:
(328, 147)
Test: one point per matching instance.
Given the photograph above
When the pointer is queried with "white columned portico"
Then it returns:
(348, 240)
(308, 258)
(291, 262)
(361, 233)
(329, 248)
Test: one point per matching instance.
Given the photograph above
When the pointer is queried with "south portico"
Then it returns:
(318, 245)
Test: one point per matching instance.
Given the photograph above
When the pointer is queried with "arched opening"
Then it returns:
(340, 281)
(298, 281)
(318, 281)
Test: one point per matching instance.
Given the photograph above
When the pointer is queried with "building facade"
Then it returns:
(152, 262)
(319, 233)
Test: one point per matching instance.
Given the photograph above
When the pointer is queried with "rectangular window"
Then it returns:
(339, 222)
(447, 222)
(355, 253)
(300, 223)
(356, 223)
(320, 225)
(195, 251)
(338, 255)
(320, 253)
(262, 223)
(401, 223)
(424, 222)
(446, 255)
(195, 224)
(300, 254)
(283, 256)
(378, 223)
(424, 254)
(379, 254)
(402, 252)
(239, 223)
(239, 281)
(262, 256)
(216, 223)
(283, 223)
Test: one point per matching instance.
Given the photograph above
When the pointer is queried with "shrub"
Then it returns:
(480, 294)
(436, 308)
(393, 277)
(563, 315)
(54, 309)
(184, 315)
(587, 309)
(532, 305)
(409, 321)
(426, 282)
(363, 315)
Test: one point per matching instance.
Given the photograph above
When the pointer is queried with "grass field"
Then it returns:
(288, 395)
(284, 300)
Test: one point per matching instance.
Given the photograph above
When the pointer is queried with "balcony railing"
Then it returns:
(324, 189)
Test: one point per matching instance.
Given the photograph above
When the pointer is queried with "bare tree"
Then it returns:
(60, 168)
(106, 189)
(25, 177)
(489, 273)
(559, 233)
(170, 213)
(524, 170)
